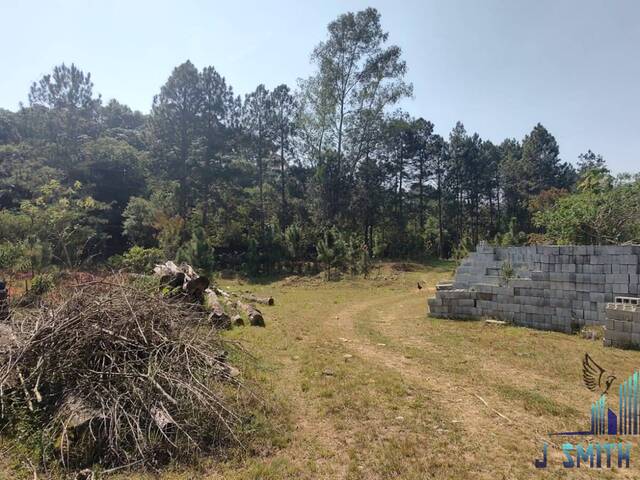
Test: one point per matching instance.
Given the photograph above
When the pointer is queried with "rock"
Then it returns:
(328, 372)
(347, 356)
(399, 418)
(237, 321)
(381, 344)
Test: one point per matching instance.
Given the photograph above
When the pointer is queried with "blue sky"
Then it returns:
(499, 66)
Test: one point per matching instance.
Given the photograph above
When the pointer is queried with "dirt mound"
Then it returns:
(405, 267)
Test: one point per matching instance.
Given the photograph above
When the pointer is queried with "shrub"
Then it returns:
(197, 252)
(140, 260)
(41, 284)
(11, 256)
(331, 250)
(507, 272)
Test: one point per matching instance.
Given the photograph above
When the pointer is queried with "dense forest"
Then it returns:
(329, 172)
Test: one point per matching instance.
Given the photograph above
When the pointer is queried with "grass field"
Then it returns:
(362, 384)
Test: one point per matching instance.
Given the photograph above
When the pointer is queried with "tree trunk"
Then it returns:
(263, 300)
(218, 316)
(255, 316)
(283, 213)
(440, 227)
(421, 193)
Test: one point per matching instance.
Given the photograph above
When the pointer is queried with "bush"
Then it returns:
(331, 250)
(11, 256)
(41, 284)
(140, 259)
(197, 252)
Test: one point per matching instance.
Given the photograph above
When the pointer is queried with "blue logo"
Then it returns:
(604, 421)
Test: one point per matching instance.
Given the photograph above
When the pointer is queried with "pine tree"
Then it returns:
(197, 252)
(331, 250)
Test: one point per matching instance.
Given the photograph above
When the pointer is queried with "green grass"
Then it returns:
(416, 397)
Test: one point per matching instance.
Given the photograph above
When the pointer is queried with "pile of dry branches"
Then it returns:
(119, 376)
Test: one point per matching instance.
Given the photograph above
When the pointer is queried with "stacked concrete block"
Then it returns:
(623, 324)
(552, 288)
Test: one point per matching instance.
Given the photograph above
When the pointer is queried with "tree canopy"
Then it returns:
(330, 170)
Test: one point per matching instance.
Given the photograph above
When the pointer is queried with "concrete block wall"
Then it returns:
(623, 325)
(553, 288)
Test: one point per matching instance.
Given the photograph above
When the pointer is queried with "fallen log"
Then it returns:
(185, 278)
(253, 314)
(263, 300)
(218, 316)
(197, 287)
(182, 277)
(222, 293)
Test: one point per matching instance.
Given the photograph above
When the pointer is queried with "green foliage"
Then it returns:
(68, 220)
(41, 284)
(331, 250)
(141, 260)
(293, 242)
(265, 253)
(352, 255)
(11, 256)
(364, 261)
(357, 257)
(14, 225)
(597, 214)
(139, 222)
(197, 252)
(507, 272)
(465, 247)
(512, 236)
(171, 233)
(265, 174)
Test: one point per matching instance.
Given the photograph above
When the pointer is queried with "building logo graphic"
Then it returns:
(604, 421)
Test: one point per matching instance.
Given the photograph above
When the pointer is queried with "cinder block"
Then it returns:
(620, 288)
(627, 259)
(617, 278)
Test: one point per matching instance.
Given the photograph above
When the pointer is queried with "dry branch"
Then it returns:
(119, 376)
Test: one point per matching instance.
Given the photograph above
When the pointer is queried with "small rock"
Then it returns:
(347, 356)
(381, 344)
(343, 339)
(296, 357)
(399, 418)
(328, 372)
